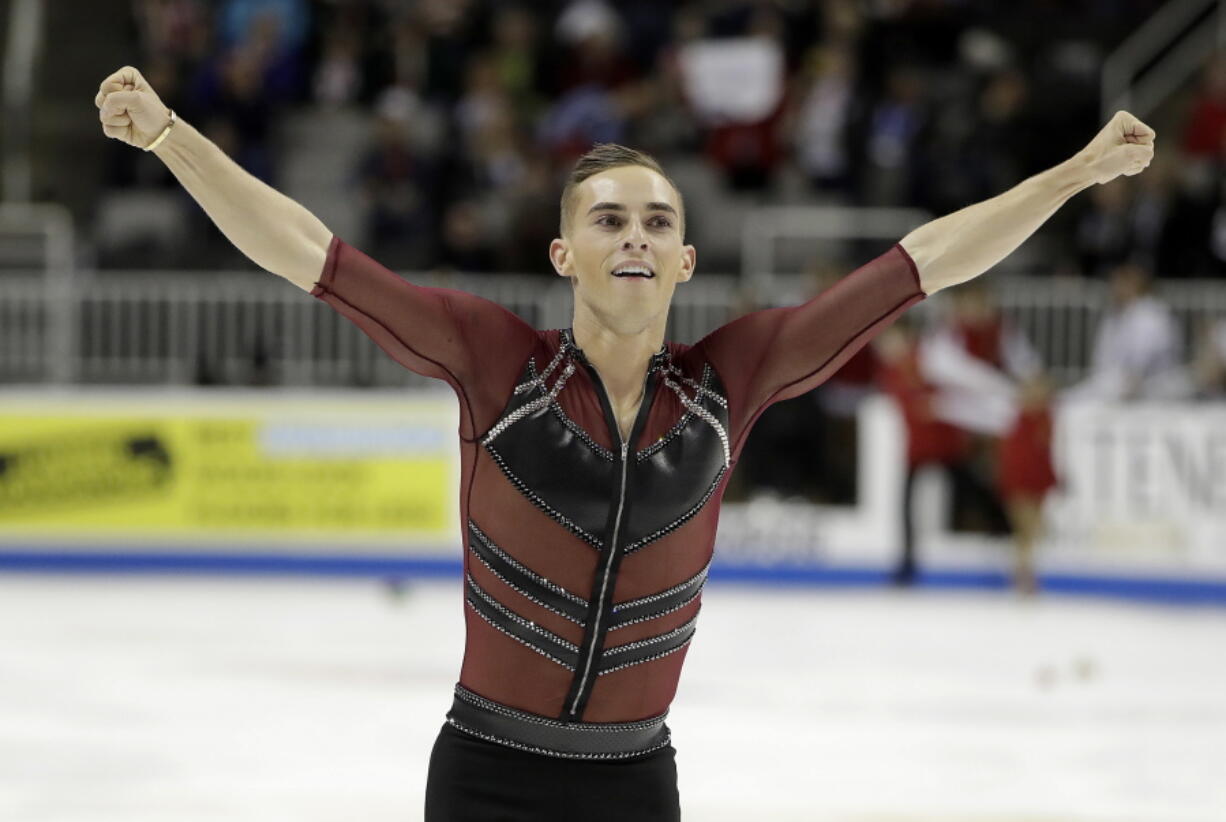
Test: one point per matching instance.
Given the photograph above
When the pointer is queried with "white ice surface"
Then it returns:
(178, 700)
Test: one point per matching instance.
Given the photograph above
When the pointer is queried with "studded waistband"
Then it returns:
(494, 722)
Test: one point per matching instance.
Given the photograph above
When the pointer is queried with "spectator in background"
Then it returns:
(1153, 219)
(178, 30)
(338, 76)
(891, 106)
(1002, 145)
(978, 361)
(271, 35)
(396, 179)
(1205, 130)
(821, 124)
(735, 88)
(484, 102)
(1136, 348)
(1025, 474)
(894, 141)
(467, 243)
(239, 20)
(669, 125)
(932, 442)
(1209, 363)
(1217, 223)
(516, 54)
(989, 382)
(587, 110)
(1104, 235)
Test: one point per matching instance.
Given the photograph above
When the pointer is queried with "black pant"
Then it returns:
(964, 484)
(472, 780)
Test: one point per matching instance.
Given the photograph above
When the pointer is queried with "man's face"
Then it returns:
(623, 219)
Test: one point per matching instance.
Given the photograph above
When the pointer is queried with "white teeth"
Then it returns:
(633, 269)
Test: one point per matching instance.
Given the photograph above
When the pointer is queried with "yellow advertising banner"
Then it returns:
(225, 467)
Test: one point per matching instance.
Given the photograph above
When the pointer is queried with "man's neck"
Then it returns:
(621, 360)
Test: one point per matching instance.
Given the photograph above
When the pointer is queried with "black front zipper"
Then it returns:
(606, 573)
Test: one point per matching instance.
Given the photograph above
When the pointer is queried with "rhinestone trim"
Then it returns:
(677, 523)
(505, 632)
(654, 640)
(535, 578)
(548, 752)
(680, 424)
(700, 389)
(525, 594)
(536, 500)
(489, 621)
(519, 620)
(657, 614)
(651, 658)
(575, 428)
(588, 727)
(540, 380)
(680, 586)
(529, 408)
(519, 566)
(706, 415)
(600, 450)
(700, 578)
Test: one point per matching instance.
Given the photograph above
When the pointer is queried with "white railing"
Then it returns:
(1162, 53)
(246, 328)
(767, 227)
(44, 306)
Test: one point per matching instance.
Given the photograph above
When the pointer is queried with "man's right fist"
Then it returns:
(130, 109)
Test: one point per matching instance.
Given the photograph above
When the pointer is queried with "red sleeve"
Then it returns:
(779, 353)
(475, 345)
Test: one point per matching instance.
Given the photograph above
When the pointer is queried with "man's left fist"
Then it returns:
(1124, 146)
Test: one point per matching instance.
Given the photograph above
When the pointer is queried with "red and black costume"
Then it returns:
(585, 556)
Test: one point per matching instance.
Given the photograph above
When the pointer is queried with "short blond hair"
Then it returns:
(602, 157)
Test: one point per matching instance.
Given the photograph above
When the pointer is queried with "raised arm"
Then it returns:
(275, 232)
(476, 346)
(963, 245)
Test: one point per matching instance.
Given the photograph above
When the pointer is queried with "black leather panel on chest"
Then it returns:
(557, 464)
(673, 478)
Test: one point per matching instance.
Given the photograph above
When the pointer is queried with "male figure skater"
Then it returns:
(593, 457)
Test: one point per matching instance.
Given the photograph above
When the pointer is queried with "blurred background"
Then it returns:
(1030, 469)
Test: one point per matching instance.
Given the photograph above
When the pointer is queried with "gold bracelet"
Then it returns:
(165, 131)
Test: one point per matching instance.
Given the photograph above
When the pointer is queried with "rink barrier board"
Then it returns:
(1170, 590)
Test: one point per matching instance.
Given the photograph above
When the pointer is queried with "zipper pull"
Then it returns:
(625, 445)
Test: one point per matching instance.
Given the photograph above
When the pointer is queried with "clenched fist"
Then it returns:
(130, 109)
(1124, 146)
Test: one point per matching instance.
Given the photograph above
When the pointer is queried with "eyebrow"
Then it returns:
(619, 207)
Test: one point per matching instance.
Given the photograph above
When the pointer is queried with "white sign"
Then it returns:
(733, 80)
(1143, 479)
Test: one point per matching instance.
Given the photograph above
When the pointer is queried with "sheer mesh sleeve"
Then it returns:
(473, 344)
(779, 353)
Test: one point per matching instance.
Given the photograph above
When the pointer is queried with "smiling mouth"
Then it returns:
(627, 272)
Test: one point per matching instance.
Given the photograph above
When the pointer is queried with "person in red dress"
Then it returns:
(990, 382)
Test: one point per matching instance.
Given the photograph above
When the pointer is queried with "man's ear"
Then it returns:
(689, 257)
(559, 255)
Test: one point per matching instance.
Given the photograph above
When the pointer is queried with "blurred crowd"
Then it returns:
(477, 109)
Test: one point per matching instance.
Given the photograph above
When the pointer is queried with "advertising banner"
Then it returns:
(371, 477)
(224, 468)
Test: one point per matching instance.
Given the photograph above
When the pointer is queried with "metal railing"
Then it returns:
(246, 328)
(765, 228)
(40, 321)
(1162, 53)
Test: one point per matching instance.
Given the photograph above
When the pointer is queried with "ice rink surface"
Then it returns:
(130, 699)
